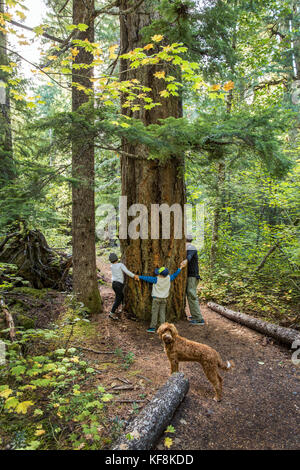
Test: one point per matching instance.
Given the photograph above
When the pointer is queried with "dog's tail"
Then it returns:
(226, 365)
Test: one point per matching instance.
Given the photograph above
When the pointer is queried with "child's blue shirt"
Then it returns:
(153, 279)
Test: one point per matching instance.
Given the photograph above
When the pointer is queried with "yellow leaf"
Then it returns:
(112, 49)
(23, 407)
(5, 393)
(161, 74)
(21, 15)
(216, 87)
(164, 93)
(149, 46)
(39, 432)
(228, 86)
(168, 442)
(157, 38)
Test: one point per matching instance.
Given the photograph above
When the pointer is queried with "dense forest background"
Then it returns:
(239, 135)
(121, 88)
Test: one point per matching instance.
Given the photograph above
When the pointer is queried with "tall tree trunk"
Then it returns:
(6, 146)
(217, 213)
(220, 191)
(150, 181)
(83, 198)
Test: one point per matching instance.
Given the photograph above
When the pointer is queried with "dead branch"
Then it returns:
(94, 351)
(9, 320)
(45, 35)
(263, 261)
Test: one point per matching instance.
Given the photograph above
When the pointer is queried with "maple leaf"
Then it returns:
(5, 393)
(148, 46)
(23, 407)
(164, 93)
(157, 38)
(112, 49)
(228, 86)
(168, 442)
(161, 74)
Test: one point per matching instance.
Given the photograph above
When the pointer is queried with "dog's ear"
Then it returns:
(161, 330)
(173, 329)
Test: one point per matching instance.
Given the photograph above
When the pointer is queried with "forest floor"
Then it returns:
(260, 407)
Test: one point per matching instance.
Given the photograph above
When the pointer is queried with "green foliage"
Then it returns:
(52, 391)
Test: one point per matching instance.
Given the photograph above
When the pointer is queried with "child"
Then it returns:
(160, 293)
(117, 277)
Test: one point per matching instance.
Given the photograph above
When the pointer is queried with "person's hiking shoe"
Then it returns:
(196, 322)
(113, 316)
(151, 330)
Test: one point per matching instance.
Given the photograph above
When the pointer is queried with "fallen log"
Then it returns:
(280, 333)
(148, 426)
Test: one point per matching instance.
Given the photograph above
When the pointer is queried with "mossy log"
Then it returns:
(280, 333)
(36, 261)
(148, 426)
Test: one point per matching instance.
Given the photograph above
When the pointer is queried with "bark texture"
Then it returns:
(281, 334)
(83, 216)
(217, 214)
(150, 181)
(147, 428)
(6, 146)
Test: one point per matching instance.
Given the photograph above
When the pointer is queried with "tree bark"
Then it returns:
(83, 215)
(281, 334)
(6, 145)
(147, 428)
(150, 181)
(217, 214)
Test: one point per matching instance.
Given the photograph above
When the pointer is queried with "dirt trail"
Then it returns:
(261, 402)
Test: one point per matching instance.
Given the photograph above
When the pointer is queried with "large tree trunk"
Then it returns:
(6, 147)
(217, 214)
(150, 181)
(83, 198)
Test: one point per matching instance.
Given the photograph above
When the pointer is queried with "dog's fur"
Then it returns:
(180, 349)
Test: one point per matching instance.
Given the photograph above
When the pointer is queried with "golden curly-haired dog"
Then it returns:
(180, 349)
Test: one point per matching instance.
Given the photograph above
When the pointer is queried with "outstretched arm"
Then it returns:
(126, 271)
(150, 279)
(174, 275)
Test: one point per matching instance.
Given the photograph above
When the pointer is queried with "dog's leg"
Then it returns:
(174, 366)
(216, 382)
(221, 384)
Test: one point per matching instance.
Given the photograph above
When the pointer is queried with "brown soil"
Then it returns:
(260, 406)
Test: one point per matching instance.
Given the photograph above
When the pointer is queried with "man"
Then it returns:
(192, 282)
